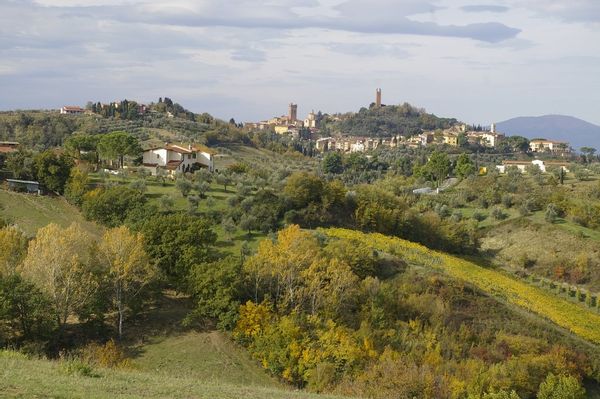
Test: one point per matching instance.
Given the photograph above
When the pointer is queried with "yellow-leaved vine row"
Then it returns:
(576, 319)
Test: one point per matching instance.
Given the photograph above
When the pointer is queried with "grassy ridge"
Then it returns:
(30, 212)
(576, 319)
(21, 377)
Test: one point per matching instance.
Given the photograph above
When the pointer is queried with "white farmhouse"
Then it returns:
(522, 165)
(177, 158)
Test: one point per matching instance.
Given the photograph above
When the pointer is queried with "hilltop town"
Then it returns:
(453, 136)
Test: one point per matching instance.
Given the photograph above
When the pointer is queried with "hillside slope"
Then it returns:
(577, 132)
(30, 212)
(582, 322)
(21, 377)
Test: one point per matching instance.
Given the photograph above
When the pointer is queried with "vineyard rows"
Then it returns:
(580, 321)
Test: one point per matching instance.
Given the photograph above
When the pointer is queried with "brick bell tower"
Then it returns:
(378, 98)
(293, 112)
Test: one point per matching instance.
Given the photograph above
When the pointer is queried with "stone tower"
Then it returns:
(293, 112)
(378, 97)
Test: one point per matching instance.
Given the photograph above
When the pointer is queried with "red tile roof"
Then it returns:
(172, 165)
(5, 149)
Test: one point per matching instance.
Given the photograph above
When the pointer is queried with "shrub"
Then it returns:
(498, 214)
(108, 355)
(551, 213)
(507, 200)
(76, 367)
(480, 217)
(560, 387)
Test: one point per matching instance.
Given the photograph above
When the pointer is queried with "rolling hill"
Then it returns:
(577, 132)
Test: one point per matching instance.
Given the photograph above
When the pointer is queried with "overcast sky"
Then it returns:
(479, 61)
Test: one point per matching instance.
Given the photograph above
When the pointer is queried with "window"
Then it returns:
(157, 156)
(189, 156)
(194, 155)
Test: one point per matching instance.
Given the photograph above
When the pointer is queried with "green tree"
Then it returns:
(21, 165)
(361, 259)
(110, 206)
(117, 145)
(333, 163)
(516, 143)
(464, 166)
(229, 227)
(224, 179)
(588, 153)
(52, 170)
(25, 309)
(79, 143)
(248, 223)
(303, 189)
(437, 167)
(184, 186)
(216, 290)
(561, 387)
(166, 203)
(176, 242)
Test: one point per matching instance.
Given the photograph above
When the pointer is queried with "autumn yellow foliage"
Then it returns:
(568, 315)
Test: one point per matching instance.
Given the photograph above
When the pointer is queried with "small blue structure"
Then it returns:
(31, 187)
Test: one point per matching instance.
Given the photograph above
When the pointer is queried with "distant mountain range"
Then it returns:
(578, 133)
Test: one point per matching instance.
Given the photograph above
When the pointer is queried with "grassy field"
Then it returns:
(168, 360)
(30, 378)
(568, 315)
(568, 226)
(30, 212)
(158, 342)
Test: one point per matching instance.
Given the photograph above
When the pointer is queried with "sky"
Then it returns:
(475, 60)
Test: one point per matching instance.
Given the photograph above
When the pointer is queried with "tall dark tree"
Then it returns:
(117, 145)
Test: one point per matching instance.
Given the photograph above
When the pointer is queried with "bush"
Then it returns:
(551, 214)
(108, 355)
(110, 206)
(498, 214)
(561, 387)
(480, 217)
(507, 200)
(76, 367)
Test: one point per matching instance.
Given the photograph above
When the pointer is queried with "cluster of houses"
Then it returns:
(449, 136)
(287, 124)
(549, 146)
(452, 137)
(522, 166)
(77, 110)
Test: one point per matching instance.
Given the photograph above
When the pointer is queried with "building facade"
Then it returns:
(177, 158)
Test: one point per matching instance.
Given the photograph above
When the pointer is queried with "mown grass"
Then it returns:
(580, 321)
(31, 212)
(34, 378)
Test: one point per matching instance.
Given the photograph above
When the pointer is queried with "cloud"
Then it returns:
(249, 55)
(586, 11)
(374, 16)
(369, 49)
(485, 8)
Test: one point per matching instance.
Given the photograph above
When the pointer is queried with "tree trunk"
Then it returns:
(120, 322)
